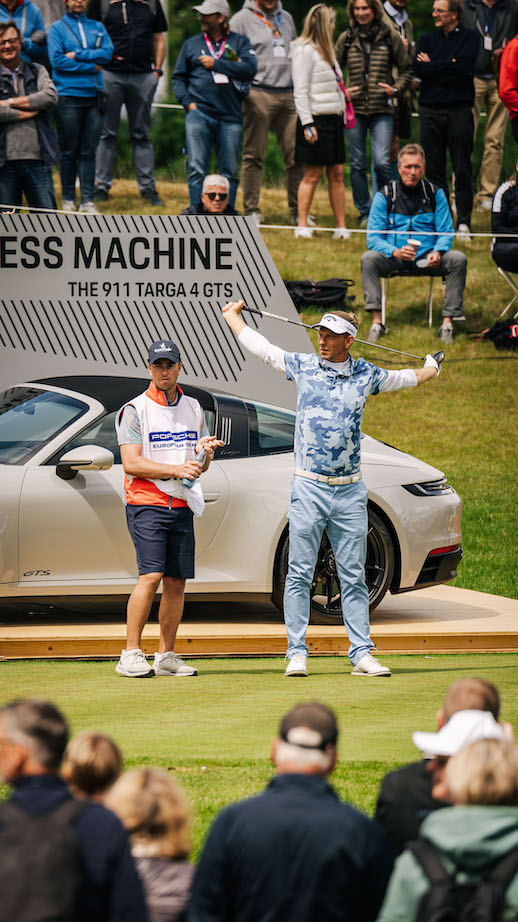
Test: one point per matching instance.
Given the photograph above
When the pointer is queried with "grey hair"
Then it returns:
(215, 179)
(303, 758)
(39, 726)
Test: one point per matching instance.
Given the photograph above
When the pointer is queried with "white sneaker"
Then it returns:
(312, 221)
(305, 232)
(171, 664)
(341, 233)
(68, 206)
(463, 233)
(257, 216)
(297, 665)
(88, 208)
(134, 664)
(370, 666)
(485, 205)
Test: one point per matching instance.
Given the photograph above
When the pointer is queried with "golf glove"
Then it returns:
(430, 361)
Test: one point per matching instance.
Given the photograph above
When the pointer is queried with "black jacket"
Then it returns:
(447, 79)
(502, 21)
(294, 853)
(199, 209)
(112, 891)
(504, 220)
(404, 800)
(131, 25)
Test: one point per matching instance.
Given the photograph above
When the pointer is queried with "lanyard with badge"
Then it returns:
(218, 78)
(489, 18)
(279, 48)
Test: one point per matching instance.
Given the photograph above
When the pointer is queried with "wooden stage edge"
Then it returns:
(443, 619)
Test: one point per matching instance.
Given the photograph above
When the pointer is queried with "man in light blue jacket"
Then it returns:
(29, 20)
(412, 210)
(78, 47)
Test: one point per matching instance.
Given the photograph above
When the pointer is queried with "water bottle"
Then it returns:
(200, 457)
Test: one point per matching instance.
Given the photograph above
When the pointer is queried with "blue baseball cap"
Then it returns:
(165, 349)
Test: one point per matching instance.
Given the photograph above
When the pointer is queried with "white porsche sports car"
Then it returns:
(63, 534)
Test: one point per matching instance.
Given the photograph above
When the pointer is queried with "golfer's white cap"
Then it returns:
(462, 728)
(337, 324)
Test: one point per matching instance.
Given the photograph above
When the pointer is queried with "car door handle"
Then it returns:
(211, 497)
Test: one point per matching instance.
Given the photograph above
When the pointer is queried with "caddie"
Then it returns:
(160, 432)
(327, 489)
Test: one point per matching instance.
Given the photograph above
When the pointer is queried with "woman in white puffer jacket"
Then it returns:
(319, 96)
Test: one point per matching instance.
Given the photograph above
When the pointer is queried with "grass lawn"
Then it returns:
(465, 423)
(214, 731)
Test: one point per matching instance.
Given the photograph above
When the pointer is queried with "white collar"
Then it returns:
(399, 16)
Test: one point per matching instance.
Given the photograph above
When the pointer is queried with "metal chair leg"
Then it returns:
(430, 303)
(505, 275)
(384, 299)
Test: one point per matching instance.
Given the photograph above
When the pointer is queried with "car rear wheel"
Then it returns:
(326, 607)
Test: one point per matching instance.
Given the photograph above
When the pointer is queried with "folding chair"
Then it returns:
(430, 273)
(512, 284)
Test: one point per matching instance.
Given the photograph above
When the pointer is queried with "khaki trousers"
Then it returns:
(264, 109)
(486, 97)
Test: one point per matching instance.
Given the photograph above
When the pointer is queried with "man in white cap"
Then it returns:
(161, 433)
(328, 491)
(212, 73)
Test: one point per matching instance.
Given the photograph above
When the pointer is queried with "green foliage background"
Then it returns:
(168, 125)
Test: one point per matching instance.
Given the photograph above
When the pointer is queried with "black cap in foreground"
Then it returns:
(310, 726)
(165, 349)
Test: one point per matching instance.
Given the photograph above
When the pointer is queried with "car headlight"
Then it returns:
(430, 488)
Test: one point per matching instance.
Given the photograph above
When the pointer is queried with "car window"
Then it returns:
(31, 417)
(102, 433)
(271, 429)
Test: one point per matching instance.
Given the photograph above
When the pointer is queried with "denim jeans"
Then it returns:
(202, 133)
(79, 124)
(29, 177)
(342, 512)
(380, 128)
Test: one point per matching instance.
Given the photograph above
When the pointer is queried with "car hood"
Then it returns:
(393, 466)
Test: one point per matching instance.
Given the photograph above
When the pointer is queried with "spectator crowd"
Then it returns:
(322, 95)
(82, 839)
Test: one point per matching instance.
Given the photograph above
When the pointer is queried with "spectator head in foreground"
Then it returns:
(307, 740)
(92, 763)
(214, 193)
(154, 810)
(33, 738)
(484, 773)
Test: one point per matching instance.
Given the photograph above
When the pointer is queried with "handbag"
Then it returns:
(349, 116)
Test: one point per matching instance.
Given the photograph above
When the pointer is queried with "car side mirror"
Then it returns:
(84, 458)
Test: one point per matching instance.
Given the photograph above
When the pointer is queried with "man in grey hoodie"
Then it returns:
(270, 30)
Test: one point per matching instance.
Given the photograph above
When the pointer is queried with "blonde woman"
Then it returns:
(152, 807)
(319, 95)
(91, 764)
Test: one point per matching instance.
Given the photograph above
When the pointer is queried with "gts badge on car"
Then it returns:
(37, 573)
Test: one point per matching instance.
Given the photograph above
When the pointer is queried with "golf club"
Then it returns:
(438, 356)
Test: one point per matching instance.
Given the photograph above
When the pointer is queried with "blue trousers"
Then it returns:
(380, 128)
(342, 512)
(26, 177)
(80, 126)
(202, 133)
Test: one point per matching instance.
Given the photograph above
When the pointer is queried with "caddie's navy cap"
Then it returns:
(164, 349)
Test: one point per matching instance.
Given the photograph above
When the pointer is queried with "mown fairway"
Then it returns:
(214, 731)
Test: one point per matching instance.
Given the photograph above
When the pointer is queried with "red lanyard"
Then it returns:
(215, 54)
(339, 81)
(275, 31)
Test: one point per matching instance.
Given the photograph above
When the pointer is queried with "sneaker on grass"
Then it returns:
(170, 664)
(370, 667)
(376, 331)
(297, 665)
(134, 664)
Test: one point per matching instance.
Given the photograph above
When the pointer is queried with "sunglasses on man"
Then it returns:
(219, 195)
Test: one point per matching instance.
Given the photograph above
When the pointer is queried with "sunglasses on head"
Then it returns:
(213, 195)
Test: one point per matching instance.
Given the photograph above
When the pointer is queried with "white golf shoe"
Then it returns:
(171, 664)
(297, 665)
(370, 667)
(134, 664)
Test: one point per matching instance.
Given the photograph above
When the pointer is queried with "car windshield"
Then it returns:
(30, 417)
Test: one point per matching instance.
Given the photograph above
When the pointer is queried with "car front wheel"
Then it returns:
(326, 607)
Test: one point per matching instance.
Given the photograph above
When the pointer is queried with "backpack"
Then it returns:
(40, 869)
(447, 900)
(329, 293)
(504, 334)
(390, 193)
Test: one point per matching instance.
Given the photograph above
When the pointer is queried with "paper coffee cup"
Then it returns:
(415, 244)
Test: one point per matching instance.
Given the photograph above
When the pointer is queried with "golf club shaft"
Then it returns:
(298, 323)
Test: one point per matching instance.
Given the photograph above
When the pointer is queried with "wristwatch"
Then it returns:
(157, 70)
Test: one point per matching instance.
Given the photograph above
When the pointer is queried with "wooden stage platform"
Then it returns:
(439, 620)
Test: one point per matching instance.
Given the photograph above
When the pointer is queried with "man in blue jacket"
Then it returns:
(212, 73)
(412, 209)
(29, 20)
